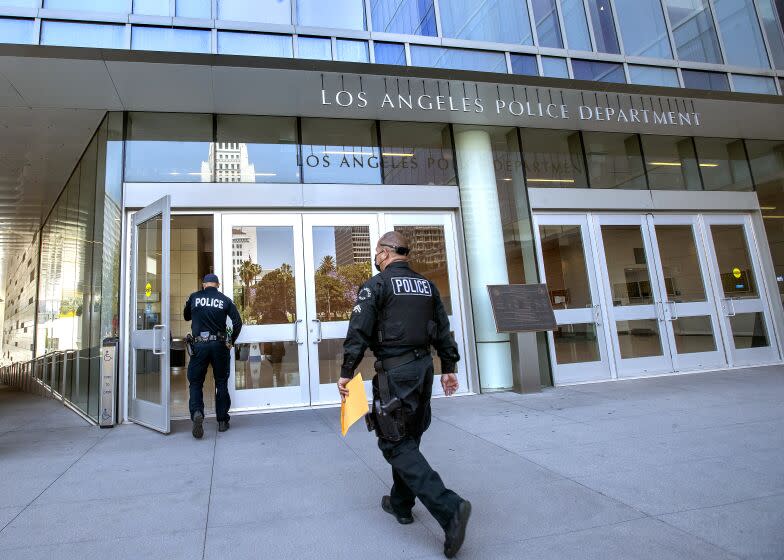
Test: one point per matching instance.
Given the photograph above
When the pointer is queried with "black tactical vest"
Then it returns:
(407, 313)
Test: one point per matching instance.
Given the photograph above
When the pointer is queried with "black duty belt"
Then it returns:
(408, 357)
(211, 338)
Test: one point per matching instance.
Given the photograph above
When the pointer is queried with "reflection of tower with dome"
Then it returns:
(231, 164)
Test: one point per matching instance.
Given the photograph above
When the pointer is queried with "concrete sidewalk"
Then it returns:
(687, 467)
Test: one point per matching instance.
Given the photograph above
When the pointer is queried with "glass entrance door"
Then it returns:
(739, 287)
(578, 350)
(149, 341)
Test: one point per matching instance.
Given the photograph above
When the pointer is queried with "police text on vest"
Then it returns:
(406, 286)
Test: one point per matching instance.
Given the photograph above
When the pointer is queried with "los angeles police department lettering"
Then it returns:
(208, 302)
(406, 286)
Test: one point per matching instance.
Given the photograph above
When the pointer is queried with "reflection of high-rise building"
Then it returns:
(243, 247)
(352, 245)
(231, 164)
(427, 243)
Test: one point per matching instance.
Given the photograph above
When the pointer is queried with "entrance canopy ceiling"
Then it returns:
(53, 98)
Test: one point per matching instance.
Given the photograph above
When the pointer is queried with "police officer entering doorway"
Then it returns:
(399, 315)
(210, 345)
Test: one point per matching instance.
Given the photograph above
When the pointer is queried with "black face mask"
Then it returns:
(378, 266)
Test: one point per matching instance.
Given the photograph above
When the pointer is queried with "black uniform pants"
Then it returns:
(205, 354)
(412, 475)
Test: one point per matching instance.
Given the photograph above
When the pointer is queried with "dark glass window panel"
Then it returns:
(693, 334)
(170, 39)
(627, 265)
(553, 158)
(597, 71)
(748, 330)
(417, 154)
(639, 338)
(548, 31)
(497, 21)
(693, 30)
(458, 59)
(390, 53)
(256, 150)
(71, 34)
(614, 160)
(736, 268)
(340, 151)
(576, 343)
(680, 262)
(338, 14)
(278, 11)
(554, 67)
(255, 44)
(723, 164)
(741, 34)
(565, 268)
(264, 365)
(643, 29)
(349, 50)
(19, 31)
(754, 84)
(699, 79)
(524, 64)
(653, 76)
(774, 30)
(576, 25)
(603, 26)
(671, 163)
(408, 17)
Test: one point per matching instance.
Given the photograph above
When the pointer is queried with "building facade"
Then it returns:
(628, 154)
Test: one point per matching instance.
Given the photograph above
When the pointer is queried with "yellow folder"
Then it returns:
(355, 406)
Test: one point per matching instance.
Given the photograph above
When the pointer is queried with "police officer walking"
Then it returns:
(399, 315)
(208, 309)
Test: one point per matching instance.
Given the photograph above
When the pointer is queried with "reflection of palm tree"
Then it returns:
(327, 265)
(247, 272)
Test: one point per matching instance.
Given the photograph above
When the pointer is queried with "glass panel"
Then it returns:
(96, 35)
(428, 257)
(524, 64)
(314, 48)
(598, 71)
(17, 31)
(639, 338)
(149, 244)
(264, 276)
(458, 59)
(166, 147)
(255, 44)
(563, 257)
(170, 39)
(732, 255)
(774, 30)
(330, 355)
(498, 21)
(339, 14)
(723, 164)
(408, 17)
(754, 84)
(699, 79)
(693, 334)
(576, 343)
(653, 76)
(627, 265)
(265, 365)
(340, 151)
(553, 158)
(693, 31)
(740, 31)
(151, 7)
(278, 11)
(256, 149)
(343, 263)
(21, 3)
(614, 160)
(553, 67)
(390, 53)
(671, 163)
(548, 31)
(576, 25)
(748, 330)
(116, 6)
(194, 8)
(642, 28)
(680, 263)
(148, 376)
(351, 51)
(417, 154)
(603, 26)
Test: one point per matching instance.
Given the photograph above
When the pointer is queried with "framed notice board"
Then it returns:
(521, 308)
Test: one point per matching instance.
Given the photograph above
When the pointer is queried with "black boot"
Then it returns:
(454, 534)
(198, 424)
(223, 425)
(386, 505)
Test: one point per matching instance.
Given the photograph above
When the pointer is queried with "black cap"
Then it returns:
(210, 278)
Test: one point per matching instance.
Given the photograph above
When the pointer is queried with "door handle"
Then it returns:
(597, 315)
(673, 310)
(318, 336)
(732, 306)
(162, 328)
(659, 310)
(296, 331)
(729, 307)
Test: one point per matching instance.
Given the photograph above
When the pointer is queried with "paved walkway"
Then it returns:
(688, 467)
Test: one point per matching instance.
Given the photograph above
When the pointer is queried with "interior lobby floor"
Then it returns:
(680, 467)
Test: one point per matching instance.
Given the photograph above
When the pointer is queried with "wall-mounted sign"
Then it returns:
(521, 308)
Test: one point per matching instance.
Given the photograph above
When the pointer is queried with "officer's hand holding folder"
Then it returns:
(355, 405)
